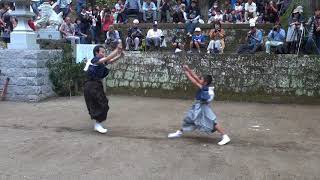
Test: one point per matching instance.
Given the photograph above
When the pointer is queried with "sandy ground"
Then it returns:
(55, 140)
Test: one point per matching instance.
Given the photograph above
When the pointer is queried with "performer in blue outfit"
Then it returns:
(96, 100)
(200, 116)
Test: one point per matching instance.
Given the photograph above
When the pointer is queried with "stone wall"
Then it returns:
(29, 77)
(266, 78)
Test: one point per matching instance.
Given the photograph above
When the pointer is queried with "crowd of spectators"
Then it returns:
(95, 24)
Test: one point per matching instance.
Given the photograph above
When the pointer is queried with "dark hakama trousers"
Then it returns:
(96, 100)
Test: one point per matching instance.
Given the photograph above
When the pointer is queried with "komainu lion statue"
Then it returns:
(48, 17)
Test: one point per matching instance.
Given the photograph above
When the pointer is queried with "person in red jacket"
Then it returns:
(32, 25)
(107, 20)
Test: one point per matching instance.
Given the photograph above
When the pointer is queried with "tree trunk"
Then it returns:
(204, 9)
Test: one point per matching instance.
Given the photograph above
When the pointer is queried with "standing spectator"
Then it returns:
(149, 10)
(133, 7)
(270, 13)
(6, 23)
(107, 20)
(94, 26)
(68, 31)
(64, 6)
(178, 41)
(217, 35)
(120, 16)
(154, 36)
(314, 33)
(179, 16)
(295, 30)
(276, 38)
(250, 9)
(193, 16)
(254, 41)
(134, 36)
(80, 4)
(80, 31)
(113, 38)
(197, 41)
(86, 19)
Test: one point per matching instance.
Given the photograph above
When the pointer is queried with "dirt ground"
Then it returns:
(55, 140)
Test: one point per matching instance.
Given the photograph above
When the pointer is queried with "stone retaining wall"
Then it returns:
(29, 77)
(251, 77)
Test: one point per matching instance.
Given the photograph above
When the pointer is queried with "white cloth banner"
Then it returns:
(84, 52)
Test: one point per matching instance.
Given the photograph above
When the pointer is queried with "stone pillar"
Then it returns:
(23, 36)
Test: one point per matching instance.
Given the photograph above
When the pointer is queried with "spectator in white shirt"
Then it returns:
(154, 36)
(250, 8)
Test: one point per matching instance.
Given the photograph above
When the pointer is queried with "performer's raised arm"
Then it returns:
(114, 55)
(189, 73)
(192, 73)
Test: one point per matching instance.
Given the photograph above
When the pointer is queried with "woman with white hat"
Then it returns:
(295, 29)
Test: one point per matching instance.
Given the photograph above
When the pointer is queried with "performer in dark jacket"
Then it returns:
(96, 100)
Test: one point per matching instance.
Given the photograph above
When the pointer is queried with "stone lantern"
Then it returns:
(22, 36)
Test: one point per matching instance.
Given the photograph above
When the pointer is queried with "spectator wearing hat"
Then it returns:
(276, 38)
(295, 30)
(314, 33)
(197, 41)
(178, 41)
(217, 35)
(217, 16)
(149, 10)
(154, 36)
(134, 36)
(193, 16)
(250, 8)
(254, 41)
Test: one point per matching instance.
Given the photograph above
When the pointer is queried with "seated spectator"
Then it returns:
(197, 41)
(80, 31)
(226, 10)
(212, 11)
(64, 6)
(193, 16)
(216, 16)
(239, 11)
(134, 36)
(254, 41)
(112, 38)
(68, 31)
(107, 20)
(133, 7)
(295, 30)
(149, 10)
(178, 41)
(276, 38)
(154, 36)
(165, 10)
(179, 15)
(270, 13)
(34, 5)
(250, 9)
(119, 12)
(314, 34)
(217, 35)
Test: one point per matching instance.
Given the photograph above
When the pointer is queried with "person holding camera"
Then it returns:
(276, 39)
(254, 41)
(217, 35)
(295, 30)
